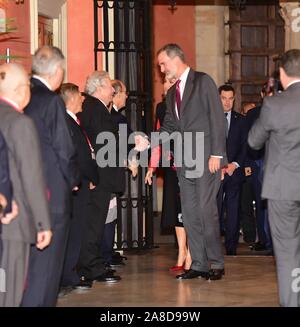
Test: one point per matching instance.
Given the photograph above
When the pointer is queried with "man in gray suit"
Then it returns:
(32, 225)
(279, 127)
(193, 105)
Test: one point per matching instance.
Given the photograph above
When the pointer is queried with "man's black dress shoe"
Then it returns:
(193, 274)
(84, 284)
(107, 277)
(230, 252)
(215, 274)
(109, 268)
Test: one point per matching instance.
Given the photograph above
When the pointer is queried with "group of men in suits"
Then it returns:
(61, 194)
(50, 154)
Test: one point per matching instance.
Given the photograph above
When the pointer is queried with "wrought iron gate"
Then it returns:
(123, 43)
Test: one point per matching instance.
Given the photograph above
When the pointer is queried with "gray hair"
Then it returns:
(172, 50)
(94, 80)
(117, 85)
(46, 60)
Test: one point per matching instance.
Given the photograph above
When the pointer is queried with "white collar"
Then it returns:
(72, 115)
(41, 79)
(11, 102)
(184, 75)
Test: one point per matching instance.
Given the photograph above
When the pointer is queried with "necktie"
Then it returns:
(226, 123)
(178, 97)
(85, 134)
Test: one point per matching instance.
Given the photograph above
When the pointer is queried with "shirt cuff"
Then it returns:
(213, 156)
(237, 165)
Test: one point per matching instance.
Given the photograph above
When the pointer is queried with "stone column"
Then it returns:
(290, 12)
(210, 42)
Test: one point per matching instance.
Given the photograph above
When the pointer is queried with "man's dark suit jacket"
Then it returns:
(199, 113)
(236, 143)
(26, 174)
(95, 118)
(48, 112)
(251, 117)
(278, 125)
(5, 184)
(87, 166)
(119, 119)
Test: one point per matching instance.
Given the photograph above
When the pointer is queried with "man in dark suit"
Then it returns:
(278, 126)
(48, 112)
(88, 174)
(32, 224)
(5, 185)
(96, 119)
(231, 185)
(193, 105)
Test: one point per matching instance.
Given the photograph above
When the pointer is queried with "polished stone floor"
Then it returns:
(147, 282)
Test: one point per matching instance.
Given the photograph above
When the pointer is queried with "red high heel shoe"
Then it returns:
(176, 268)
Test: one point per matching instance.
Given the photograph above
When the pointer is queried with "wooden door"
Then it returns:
(256, 39)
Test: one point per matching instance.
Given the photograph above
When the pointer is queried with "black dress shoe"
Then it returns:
(84, 284)
(230, 252)
(109, 268)
(107, 277)
(215, 274)
(193, 274)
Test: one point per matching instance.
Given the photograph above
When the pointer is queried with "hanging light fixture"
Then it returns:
(172, 6)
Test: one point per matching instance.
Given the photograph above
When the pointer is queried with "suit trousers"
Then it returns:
(201, 221)
(45, 267)
(91, 263)
(285, 229)
(231, 188)
(14, 263)
(80, 201)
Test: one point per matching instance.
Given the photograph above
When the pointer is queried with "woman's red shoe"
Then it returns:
(176, 268)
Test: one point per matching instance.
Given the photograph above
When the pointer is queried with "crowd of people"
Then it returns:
(56, 201)
(58, 206)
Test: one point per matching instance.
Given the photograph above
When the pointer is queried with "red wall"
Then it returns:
(179, 28)
(80, 41)
(18, 41)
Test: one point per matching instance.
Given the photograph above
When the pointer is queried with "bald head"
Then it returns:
(14, 84)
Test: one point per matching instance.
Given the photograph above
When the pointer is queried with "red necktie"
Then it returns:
(85, 134)
(178, 98)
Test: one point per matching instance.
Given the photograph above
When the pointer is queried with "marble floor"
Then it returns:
(250, 280)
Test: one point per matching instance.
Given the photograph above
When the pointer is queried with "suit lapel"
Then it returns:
(187, 91)
(171, 100)
(232, 123)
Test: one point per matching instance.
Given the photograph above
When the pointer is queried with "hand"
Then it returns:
(223, 172)
(92, 186)
(141, 143)
(75, 189)
(11, 215)
(231, 167)
(248, 171)
(3, 201)
(214, 164)
(149, 175)
(43, 239)
(133, 167)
